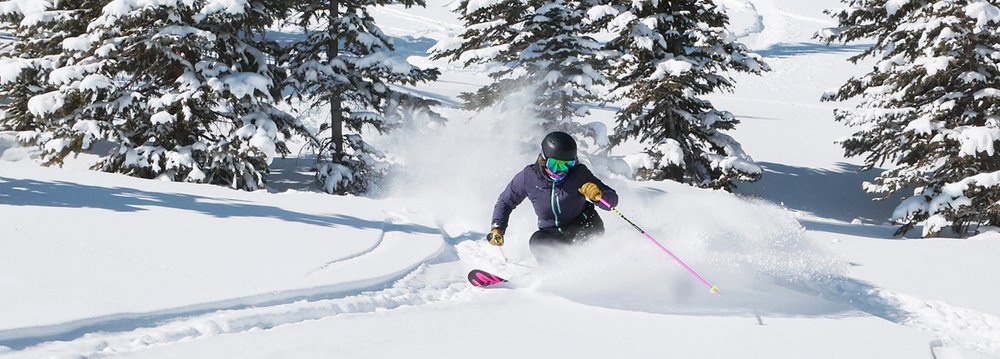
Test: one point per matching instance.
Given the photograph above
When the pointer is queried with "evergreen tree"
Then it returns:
(183, 88)
(10, 14)
(39, 29)
(543, 47)
(930, 107)
(345, 62)
(672, 53)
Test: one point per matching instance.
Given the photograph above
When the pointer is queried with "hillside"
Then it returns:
(96, 265)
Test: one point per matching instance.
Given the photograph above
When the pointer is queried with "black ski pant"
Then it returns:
(584, 227)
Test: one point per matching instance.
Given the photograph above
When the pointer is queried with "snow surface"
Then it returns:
(46, 103)
(10, 69)
(243, 84)
(79, 43)
(670, 67)
(24, 7)
(96, 265)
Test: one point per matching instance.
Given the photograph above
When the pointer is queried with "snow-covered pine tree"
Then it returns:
(182, 88)
(930, 107)
(672, 53)
(39, 29)
(10, 14)
(346, 62)
(543, 47)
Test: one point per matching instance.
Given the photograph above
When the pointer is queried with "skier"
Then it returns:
(563, 193)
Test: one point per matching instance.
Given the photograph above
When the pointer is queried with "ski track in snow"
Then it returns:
(777, 102)
(435, 277)
(816, 20)
(433, 27)
(953, 326)
(96, 336)
(416, 287)
(385, 226)
(410, 290)
(365, 251)
(438, 25)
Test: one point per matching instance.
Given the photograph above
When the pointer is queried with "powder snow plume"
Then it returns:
(750, 250)
(460, 169)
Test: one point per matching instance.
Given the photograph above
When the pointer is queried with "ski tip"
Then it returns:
(482, 279)
(715, 290)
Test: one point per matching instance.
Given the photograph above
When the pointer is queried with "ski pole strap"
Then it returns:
(712, 289)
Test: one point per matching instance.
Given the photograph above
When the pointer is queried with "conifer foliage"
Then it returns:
(187, 90)
(183, 88)
(930, 108)
(39, 29)
(545, 51)
(664, 55)
(673, 52)
(345, 62)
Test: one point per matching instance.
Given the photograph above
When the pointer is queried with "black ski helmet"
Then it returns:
(559, 145)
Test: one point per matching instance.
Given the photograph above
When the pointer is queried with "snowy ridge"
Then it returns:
(955, 327)
(744, 19)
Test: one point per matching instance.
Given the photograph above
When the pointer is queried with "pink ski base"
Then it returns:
(482, 279)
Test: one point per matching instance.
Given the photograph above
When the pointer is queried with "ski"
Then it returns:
(483, 279)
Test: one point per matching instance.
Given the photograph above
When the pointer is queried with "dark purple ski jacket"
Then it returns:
(556, 203)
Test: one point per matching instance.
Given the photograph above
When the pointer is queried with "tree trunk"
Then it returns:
(336, 107)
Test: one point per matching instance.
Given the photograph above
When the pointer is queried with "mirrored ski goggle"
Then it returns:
(556, 165)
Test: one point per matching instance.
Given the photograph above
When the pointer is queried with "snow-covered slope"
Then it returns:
(91, 247)
(167, 279)
(100, 265)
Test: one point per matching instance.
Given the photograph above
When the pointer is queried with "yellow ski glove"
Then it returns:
(495, 237)
(591, 191)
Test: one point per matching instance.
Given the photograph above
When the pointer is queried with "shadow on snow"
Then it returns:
(786, 49)
(26, 192)
(835, 298)
(829, 193)
(404, 47)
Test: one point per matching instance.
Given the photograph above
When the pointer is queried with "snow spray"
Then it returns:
(712, 289)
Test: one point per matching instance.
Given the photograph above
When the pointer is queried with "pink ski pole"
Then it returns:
(712, 289)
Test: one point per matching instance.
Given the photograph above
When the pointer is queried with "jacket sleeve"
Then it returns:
(512, 196)
(607, 193)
